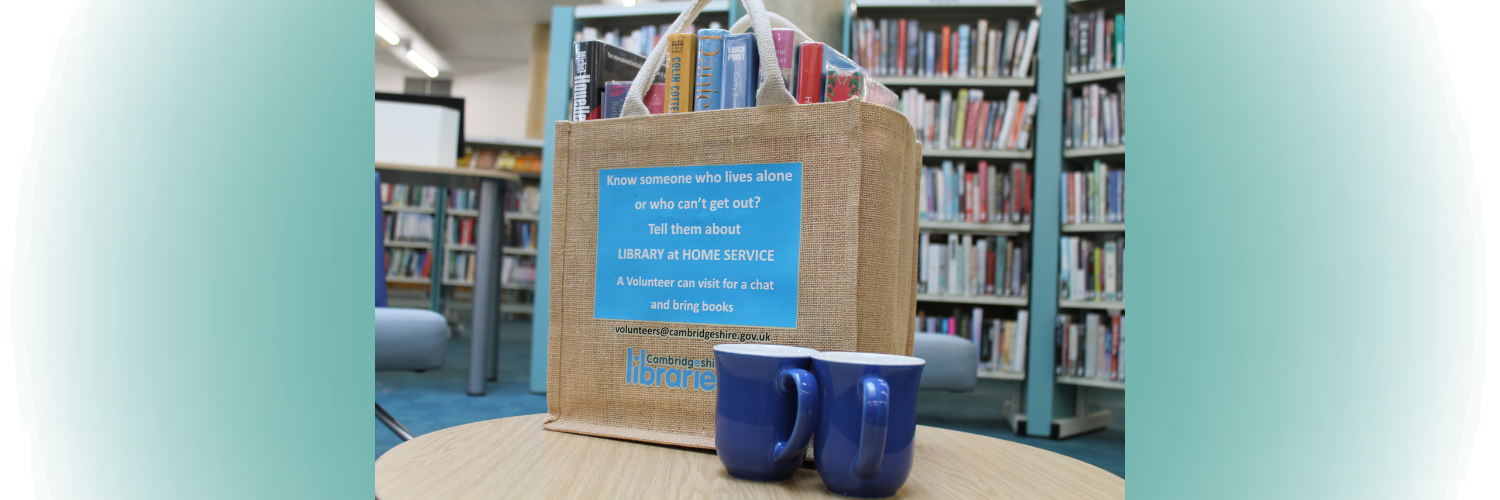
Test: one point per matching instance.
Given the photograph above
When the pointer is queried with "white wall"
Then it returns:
(391, 77)
(494, 100)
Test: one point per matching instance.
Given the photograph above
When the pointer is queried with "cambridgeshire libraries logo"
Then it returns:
(673, 372)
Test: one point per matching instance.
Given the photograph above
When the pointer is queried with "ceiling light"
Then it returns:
(386, 33)
(629, 3)
(421, 62)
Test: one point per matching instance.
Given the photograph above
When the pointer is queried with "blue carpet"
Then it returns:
(434, 400)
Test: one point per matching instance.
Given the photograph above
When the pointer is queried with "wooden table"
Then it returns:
(490, 184)
(515, 458)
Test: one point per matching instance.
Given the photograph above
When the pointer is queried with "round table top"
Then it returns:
(515, 458)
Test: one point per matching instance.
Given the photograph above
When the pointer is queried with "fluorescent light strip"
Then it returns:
(421, 62)
(386, 33)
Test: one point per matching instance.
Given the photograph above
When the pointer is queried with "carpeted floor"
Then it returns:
(434, 400)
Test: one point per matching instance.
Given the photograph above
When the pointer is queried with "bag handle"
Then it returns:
(773, 91)
(777, 22)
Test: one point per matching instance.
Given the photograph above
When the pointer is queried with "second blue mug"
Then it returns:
(767, 409)
(866, 433)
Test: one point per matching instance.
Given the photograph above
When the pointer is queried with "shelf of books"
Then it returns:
(521, 209)
(1089, 335)
(1089, 227)
(964, 71)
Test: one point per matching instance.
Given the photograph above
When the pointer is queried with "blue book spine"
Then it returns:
(614, 98)
(931, 58)
(741, 70)
(963, 51)
(709, 85)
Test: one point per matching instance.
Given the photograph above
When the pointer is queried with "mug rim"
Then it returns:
(869, 358)
(766, 350)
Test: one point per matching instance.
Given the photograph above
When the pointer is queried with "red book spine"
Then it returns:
(810, 73)
(1114, 350)
(427, 264)
(989, 272)
(943, 61)
(656, 98)
(971, 122)
(900, 47)
(1025, 188)
(984, 192)
(466, 231)
(968, 197)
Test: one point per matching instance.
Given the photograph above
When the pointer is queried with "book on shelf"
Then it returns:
(408, 196)
(463, 199)
(1096, 196)
(458, 230)
(460, 266)
(986, 194)
(516, 270)
(407, 263)
(963, 264)
(1092, 268)
(408, 227)
(999, 343)
(1096, 42)
(594, 63)
(522, 234)
(1094, 116)
(966, 120)
(527, 201)
(482, 158)
(1091, 347)
(902, 47)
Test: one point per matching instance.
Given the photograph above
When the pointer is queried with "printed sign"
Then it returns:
(716, 244)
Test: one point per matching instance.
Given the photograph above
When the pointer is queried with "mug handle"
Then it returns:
(806, 386)
(876, 395)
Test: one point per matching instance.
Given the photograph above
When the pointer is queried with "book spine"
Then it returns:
(656, 98)
(900, 48)
(947, 35)
(585, 89)
(709, 73)
(614, 98)
(741, 70)
(786, 56)
(810, 73)
(682, 49)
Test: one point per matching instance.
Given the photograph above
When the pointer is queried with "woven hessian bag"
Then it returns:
(857, 268)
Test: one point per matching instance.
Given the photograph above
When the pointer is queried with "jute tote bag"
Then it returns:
(783, 224)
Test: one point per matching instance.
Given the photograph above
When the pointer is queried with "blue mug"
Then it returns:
(866, 436)
(767, 409)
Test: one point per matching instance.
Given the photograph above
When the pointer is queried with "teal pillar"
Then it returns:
(1042, 394)
(560, 49)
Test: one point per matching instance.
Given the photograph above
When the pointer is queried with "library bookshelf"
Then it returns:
(1093, 143)
(1062, 401)
(448, 288)
(870, 27)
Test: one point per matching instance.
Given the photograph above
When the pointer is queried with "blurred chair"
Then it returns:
(952, 362)
(405, 339)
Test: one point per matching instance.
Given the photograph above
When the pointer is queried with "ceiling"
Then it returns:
(476, 36)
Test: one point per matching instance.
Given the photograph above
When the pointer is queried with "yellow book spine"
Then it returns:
(682, 56)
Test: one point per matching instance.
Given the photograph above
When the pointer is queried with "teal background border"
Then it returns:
(1305, 256)
(193, 266)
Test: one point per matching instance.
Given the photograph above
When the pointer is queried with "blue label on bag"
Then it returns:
(716, 244)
